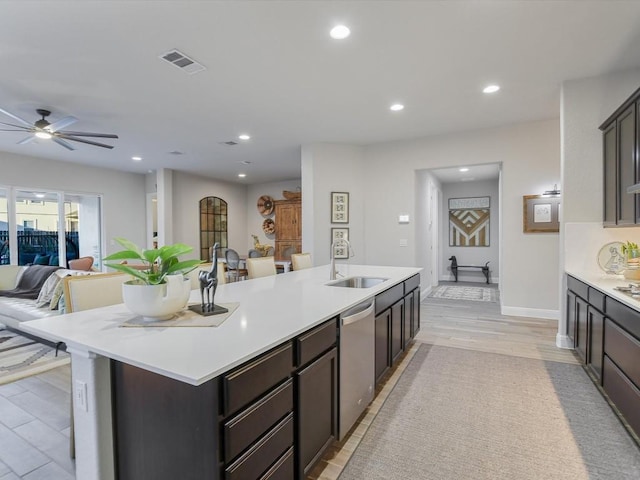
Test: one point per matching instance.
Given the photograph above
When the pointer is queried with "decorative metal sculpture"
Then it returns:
(208, 284)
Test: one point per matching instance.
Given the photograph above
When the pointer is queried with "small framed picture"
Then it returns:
(541, 214)
(340, 249)
(339, 207)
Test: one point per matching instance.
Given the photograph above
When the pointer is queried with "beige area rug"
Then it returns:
(455, 292)
(22, 357)
(461, 414)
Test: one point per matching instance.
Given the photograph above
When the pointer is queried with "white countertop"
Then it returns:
(606, 283)
(272, 310)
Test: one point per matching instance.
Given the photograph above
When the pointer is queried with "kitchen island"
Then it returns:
(272, 312)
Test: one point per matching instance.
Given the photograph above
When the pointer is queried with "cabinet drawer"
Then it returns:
(596, 298)
(624, 316)
(622, 392)
(261, 456)
(283, 468)
(257, 377)
(623, 349)
(313, 343)
(411, 283)
(387, 298)
(577, 287)
(245, 428)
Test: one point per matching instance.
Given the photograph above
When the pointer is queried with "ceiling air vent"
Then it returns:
(230, 143)
(184, 63)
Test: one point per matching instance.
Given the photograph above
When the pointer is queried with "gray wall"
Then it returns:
(471, 255)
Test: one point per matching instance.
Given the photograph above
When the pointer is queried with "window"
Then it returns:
(213, 225)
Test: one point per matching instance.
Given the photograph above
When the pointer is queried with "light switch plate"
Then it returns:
(403, 242)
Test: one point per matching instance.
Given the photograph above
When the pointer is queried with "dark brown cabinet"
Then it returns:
(383, 322)
(317, 408)
(620, 142)
(596, 339)
(397, 324)
(581, 328)
(571, 318)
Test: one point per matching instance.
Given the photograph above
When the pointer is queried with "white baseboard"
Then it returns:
(530, 312)
(426, 291)
(562, 341)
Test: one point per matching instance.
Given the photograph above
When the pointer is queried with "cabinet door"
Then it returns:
(415, 317)
(407, 311)
(383, 322)
(571, 318)
(596, 338)
(397, 324)
(610, 140)
(317, 410)
(626, 165)
(582, 330)
(288, 226)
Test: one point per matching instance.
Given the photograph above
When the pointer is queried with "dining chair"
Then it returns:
(261, 267)
(233, 265)
(253, 253)
(82, 263)
(300, 261)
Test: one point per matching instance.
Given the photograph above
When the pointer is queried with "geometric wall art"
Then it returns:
(469, 225)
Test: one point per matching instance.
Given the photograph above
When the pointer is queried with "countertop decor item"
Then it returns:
(610, 258)
(265, 205)
(159, 289)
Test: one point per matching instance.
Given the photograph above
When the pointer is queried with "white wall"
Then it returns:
(385, 178)
(255, 218)
(123, 194)
(330, 168)
(585, 104)
(471, 255)
(188, 190)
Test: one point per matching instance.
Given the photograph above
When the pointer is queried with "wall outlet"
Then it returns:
(403, 242)
(81, 395)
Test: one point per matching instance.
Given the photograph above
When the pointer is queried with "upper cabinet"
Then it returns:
(621, 154)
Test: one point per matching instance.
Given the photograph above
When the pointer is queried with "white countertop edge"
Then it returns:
(98, 332)
(606, 283)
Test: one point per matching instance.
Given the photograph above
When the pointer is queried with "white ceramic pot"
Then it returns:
(157, 302)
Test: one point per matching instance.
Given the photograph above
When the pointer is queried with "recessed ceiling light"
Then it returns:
(137, 159)
(244, 136)
(463, 169)
(340, 32)
(242, 175)
(396, 107)
(245, 162)
(491, 88)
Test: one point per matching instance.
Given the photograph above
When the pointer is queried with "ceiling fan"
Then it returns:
(44, 129)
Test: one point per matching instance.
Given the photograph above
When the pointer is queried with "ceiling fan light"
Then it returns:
(43, 134)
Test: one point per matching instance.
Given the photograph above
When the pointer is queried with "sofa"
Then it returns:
(17, 309)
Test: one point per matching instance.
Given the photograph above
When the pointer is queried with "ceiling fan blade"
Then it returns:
(82, 140)
(15, 117)
(88, 134)
(66, 145)
(28, 139)
(16, 126)
(60, 124)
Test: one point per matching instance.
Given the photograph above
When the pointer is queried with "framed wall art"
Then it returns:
(469, 222)
(540, 214)
(340, 249)
(339, 207)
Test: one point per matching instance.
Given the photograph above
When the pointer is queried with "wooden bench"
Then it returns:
(455, 267)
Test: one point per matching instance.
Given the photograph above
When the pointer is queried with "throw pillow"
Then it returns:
(54, 260)
(46, 292)
(41, 260)
(57, 299)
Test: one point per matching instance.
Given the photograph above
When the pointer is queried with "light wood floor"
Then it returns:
(34, 412)
(470, 325)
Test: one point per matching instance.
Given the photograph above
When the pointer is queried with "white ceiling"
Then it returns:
(272, 71)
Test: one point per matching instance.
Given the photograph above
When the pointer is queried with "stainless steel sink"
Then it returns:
(357, 282)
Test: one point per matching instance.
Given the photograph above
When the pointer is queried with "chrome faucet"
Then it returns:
(333, 272)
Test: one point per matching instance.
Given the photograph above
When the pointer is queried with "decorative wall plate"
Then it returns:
(269, 226)
(265, 205)
(610, 258)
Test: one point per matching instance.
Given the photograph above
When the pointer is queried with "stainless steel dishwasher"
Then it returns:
(357, 363)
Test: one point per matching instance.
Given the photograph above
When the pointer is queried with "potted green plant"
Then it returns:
(631, 256)
(159, 289)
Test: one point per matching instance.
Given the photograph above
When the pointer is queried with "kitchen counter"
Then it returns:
(272, 310)
(606, 283)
